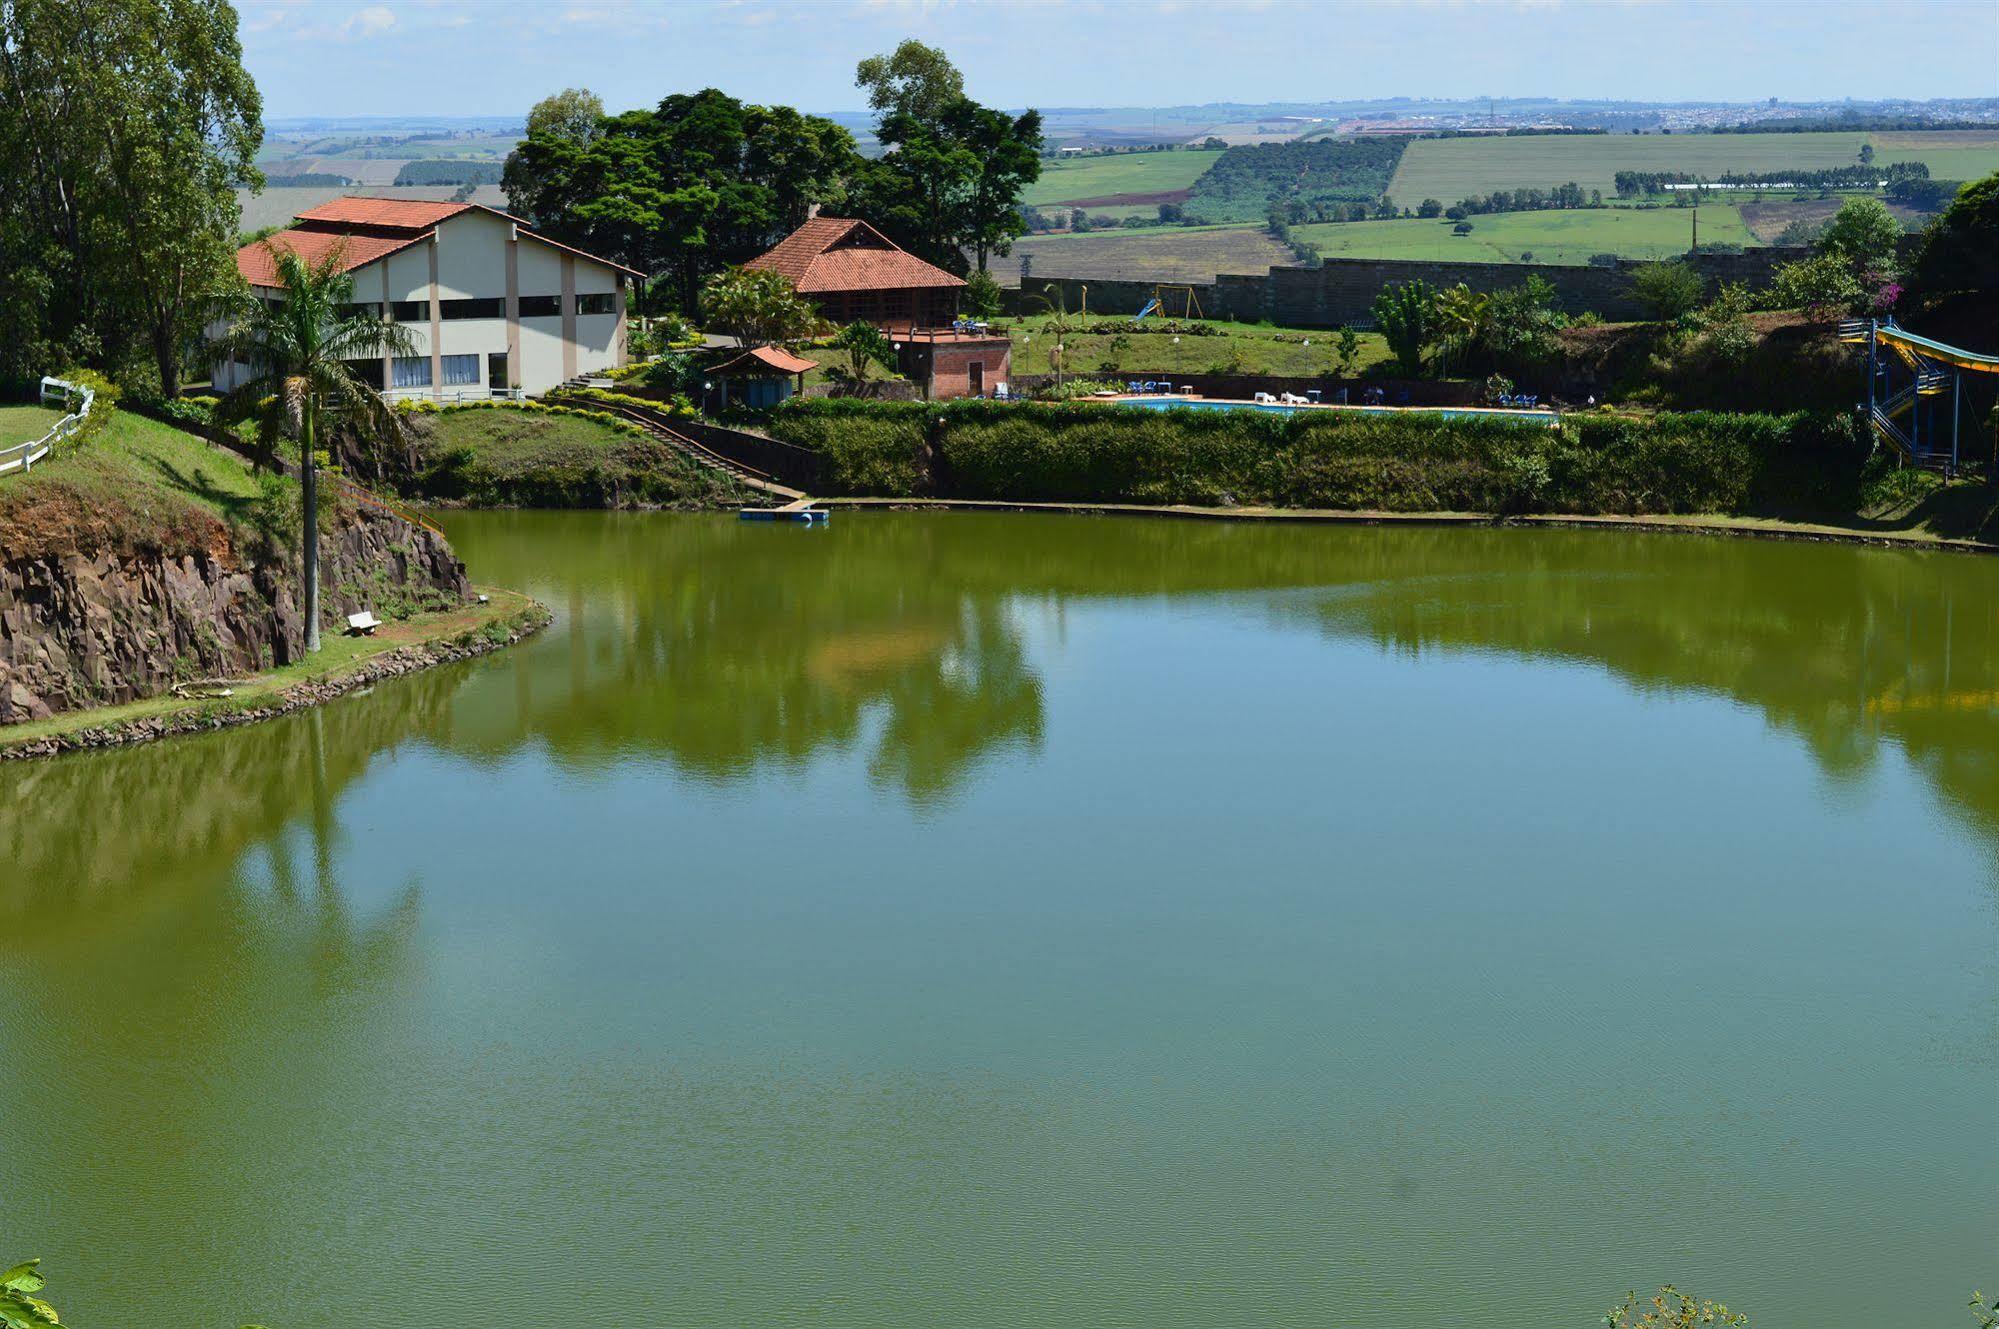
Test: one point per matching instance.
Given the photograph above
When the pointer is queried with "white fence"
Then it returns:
(77, 399)
(451, 396)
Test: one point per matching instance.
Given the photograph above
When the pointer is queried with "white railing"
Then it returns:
(23, 456)
(451, 396)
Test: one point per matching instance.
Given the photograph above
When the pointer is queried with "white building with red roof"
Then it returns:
(495, 309)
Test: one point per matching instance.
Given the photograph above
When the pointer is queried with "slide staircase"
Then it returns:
(1908, 376)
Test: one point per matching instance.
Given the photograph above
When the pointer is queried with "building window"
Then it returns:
(541, 306)
(368, 371)
(410, 311)
(411, 371)
(493, 308)
(602, 303)
(366, 309)
(460, 371)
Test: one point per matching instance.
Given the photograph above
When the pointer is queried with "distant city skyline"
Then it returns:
(497, 57)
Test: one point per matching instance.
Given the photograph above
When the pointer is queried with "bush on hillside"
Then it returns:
(1667, 290)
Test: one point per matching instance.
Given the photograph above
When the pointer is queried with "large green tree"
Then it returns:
(300, 347)
(700, 182)
(1863, 235)
(952, 179)
(125, 126)
(1960, 248)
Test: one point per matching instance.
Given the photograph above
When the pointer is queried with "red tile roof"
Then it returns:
(830, 254)
(258, 263)
(403, 214)
(768, 357)
(372, 228)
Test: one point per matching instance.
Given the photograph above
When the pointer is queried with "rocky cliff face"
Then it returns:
(91, 629)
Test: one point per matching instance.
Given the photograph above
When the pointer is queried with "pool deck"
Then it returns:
(1167, 400)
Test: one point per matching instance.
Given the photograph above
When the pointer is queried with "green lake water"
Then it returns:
(982, 920)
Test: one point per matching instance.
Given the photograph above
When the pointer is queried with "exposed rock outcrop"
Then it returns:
(89, 629)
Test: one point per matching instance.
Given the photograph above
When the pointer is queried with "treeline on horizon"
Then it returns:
(1631, 184)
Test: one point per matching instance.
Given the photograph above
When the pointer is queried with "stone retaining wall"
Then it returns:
(1342, 290)
(87, 629)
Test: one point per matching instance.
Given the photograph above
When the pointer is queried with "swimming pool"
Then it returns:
(1449, 412)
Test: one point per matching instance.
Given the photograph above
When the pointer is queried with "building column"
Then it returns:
(568, 317)
(436, 329)
(388, 366)
(514, 307)
(620, 348)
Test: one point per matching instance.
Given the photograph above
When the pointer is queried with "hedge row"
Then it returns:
(1410, 462)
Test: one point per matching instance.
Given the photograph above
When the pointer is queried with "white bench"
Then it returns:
(362, 624)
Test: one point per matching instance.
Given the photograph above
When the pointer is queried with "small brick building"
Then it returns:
(955, 364)
(855, 274)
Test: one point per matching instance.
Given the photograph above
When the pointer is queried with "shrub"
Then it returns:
(1079, 452)
(1823, 285)
(1667, 290)
(869, 447)
(1407, 315)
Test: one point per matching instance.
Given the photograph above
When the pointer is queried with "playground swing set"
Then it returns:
(1190, 304)
(1909, 379)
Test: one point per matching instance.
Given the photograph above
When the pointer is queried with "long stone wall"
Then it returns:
(1342, 290)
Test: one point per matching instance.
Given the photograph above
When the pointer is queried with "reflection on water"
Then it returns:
(721, 648)
(994, 919)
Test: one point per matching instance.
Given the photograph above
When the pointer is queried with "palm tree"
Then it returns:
(1058, 326)
(299, 347)
(1461, 315)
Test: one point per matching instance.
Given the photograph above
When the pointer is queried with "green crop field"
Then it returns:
(1554, 236)
(1126, 173)
(1951, 154)
(1452, 168)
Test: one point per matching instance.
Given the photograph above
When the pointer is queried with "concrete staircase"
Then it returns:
(707, 457)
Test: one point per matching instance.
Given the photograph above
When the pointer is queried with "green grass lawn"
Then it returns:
(20, 424)
(133, 483)
(1126, 173)
(507, 457)
(1251, 348)
(1562, 237)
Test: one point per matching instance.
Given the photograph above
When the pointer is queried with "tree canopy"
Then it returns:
(681, 191)
(1960, 249)
(1863, 234)
(953, 175)
(704, 181)
(125, 126)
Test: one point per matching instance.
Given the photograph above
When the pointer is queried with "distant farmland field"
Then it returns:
(277, 206)
(1452, 168)
(1170, 253)
(1560, 237)
(1128, 173)
(1951, 154)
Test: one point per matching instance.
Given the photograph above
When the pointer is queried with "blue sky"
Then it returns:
(490, 57)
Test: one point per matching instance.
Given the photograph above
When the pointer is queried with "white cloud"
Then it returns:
(370, 21)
